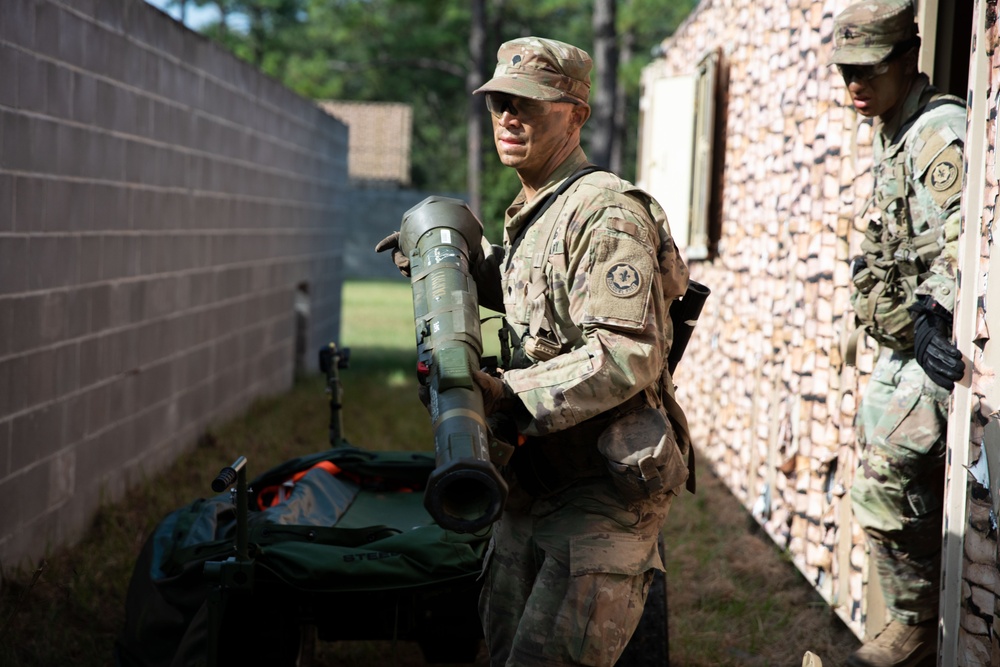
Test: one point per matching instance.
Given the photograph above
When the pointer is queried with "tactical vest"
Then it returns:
(897, 258)
(538, 338)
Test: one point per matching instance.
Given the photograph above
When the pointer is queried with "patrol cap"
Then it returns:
(866, 32)
(540, 69)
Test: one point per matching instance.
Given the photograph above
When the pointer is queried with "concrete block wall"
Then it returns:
(161, 203)
(379, 213)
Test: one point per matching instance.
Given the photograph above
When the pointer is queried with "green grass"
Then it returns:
(733, 598)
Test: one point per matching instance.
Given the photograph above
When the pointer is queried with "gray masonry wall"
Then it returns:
(160, 204)
(375, 213)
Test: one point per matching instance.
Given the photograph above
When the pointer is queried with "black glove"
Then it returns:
(935, 352)
(391, 242)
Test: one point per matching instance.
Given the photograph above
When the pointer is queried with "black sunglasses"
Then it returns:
(523, 108)
(869, 72)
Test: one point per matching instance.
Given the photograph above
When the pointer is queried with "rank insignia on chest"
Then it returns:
(623, 280)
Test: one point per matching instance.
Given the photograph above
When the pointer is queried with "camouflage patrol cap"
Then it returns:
(866, 32)
(540, 69)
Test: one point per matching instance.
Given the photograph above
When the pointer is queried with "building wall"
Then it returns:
(160, 204)
(764, 383)
(769, 396)
(972, 576)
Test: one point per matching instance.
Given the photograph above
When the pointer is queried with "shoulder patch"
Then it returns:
(623, 280)
(944, 176)
(932, 140)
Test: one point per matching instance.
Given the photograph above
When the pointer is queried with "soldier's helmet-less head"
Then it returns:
(540, 69)
(867, 32)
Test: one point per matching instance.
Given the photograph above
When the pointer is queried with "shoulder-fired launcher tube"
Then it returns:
(465, 492)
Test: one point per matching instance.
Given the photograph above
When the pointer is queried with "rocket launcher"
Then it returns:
(465, 492)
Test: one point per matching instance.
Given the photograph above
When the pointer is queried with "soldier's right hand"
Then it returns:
(497, 396)
(391, 242)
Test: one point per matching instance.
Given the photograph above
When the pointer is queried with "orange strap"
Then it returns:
(276, 494)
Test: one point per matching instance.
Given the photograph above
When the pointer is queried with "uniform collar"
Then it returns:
(518, 211)
(916, 98)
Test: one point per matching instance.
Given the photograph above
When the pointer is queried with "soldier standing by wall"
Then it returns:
(586, 277)
(904, 299)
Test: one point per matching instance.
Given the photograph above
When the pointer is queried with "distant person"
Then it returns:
(586, 275)
(904, 298)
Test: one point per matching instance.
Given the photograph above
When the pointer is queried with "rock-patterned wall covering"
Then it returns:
(768, 395)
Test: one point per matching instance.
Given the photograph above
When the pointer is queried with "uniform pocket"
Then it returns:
(613, 554)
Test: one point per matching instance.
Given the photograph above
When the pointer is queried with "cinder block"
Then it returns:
(6, 198)
(84, 96)
(97, 300)
(110, 208)
(37, 435)
(29, 204)
(26, 497)
(5, 445)
(14, 264)
(9, 401)
(53, 261)
(59, 91)
(18, 25)
(90, 259)
(31, 84)
(94, 363)
(15, 149)
(9, 59)
(97, 414)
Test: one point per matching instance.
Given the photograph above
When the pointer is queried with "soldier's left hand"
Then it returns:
(935, 352)
(399, 258)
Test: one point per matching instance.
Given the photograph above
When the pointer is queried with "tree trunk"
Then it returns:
(603, 105)
(474, 118)
(621, 105)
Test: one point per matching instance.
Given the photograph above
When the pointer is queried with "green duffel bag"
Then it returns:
(338, 541)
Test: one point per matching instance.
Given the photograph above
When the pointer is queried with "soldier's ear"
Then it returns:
(581, 112)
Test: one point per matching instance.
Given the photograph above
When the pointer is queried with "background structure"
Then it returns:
(164, 209)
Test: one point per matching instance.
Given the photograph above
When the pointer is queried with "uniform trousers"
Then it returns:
(567, 575)
(898, 490)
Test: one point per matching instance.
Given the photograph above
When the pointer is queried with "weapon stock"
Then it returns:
(464, 492)
(684, 313)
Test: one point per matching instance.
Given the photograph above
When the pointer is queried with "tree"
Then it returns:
(604, 96)
(433, 53)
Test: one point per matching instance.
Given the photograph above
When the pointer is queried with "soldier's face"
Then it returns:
(878, 90)
(535, 145)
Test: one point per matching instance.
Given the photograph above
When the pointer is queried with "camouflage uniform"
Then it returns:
(571, 560)
(910, 250)
(898, 489)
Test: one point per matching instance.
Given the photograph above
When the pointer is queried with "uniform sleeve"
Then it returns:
(616, 299)
(938, 174)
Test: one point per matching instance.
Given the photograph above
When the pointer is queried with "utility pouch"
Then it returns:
(642, 455)
(541, 347)
(884, 310)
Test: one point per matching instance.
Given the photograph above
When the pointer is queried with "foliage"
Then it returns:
(416, 51)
